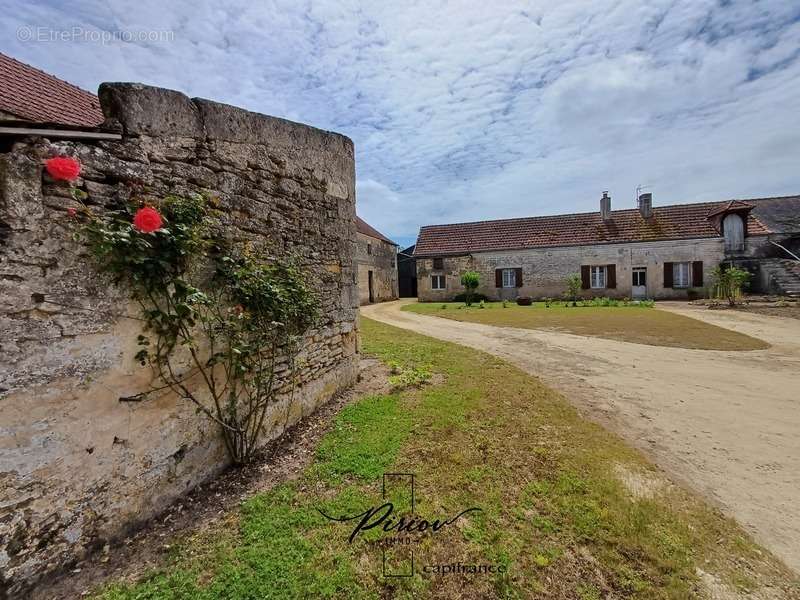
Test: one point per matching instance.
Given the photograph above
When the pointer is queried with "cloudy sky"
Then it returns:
(465, 110)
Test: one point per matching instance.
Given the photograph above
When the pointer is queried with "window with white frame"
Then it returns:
(680, 275)
(437, 282)
(639, 277)
(509, 278)
(598, 277)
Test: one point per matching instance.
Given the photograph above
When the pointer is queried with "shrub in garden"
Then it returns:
(573, 288)
(475, 298)
(470, 280)
(729, 283)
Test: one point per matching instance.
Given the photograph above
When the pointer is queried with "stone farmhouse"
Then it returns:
(376, 258)
(646, 252)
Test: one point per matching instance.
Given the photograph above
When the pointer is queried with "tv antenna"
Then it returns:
(639, 189)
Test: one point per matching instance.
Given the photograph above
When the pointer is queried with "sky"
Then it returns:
(465, 110)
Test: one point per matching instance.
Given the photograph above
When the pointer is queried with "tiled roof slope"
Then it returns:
(679, 221)
(780, 215)
(363, 227)
(33, 95)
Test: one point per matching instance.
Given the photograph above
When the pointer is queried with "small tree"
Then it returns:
(573, 288)
(728, 283)
(470, 280)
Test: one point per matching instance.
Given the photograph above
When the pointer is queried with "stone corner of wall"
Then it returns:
(148, 110)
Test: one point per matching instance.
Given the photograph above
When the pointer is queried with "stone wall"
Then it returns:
(379, 258)
(80, 463)
(544, 271)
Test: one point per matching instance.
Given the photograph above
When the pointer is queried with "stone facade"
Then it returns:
(80, 462)
(377, 269)
(544, 271)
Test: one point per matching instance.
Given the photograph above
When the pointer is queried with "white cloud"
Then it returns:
(465, 111)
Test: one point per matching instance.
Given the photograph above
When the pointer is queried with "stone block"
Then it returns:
(147, 110)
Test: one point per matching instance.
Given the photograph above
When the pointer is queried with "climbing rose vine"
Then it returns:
(221, 318)
(147, 220)
(63, 168)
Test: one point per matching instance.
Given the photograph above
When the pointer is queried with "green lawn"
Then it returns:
(633, 323)
(555, 511)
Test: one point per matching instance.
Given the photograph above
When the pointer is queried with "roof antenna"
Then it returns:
(639, 189)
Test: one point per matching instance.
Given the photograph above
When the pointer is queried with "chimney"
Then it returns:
(605, 207)
(646, 205)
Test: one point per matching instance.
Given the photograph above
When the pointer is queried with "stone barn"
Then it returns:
(376, 258)
(645, 252)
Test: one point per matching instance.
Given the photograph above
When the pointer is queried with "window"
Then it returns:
(509, 278)
(438, 263)
(639, 277)
(369, 248)
(733, 230)
(437, 282)
(680, 275)
(598, 277)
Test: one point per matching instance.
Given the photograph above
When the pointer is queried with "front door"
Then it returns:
(371, 289)
(639, 283)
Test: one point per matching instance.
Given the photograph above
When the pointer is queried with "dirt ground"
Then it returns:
(791, 311)
(725, 423)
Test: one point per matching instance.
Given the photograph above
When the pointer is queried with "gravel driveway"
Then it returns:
(725, 423)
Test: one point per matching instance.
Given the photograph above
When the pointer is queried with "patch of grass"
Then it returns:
(554, 512)
(364, 441)
(631, 323)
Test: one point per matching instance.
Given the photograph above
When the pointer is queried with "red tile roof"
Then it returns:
(679, 221)
(363, 227)
(32, 95)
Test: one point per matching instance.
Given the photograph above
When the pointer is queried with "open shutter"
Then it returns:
(498, 278)
(585, 277)
(611, 276)
(697, 273)
(667, 274)
(518, 276)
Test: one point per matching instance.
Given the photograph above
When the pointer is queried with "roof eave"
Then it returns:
(598, 243)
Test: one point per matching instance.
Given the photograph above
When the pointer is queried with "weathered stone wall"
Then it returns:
(544, 271)
(380, 258)
(78, 464)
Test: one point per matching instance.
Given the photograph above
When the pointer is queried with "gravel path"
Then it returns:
(726, 423)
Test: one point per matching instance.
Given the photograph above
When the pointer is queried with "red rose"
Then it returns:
(72, 212)
(147, 220)
(63, 168)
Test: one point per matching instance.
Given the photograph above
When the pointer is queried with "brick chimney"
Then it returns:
(605, 207)
(646, 205)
